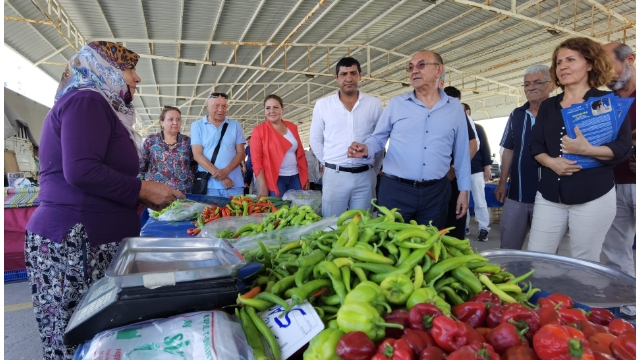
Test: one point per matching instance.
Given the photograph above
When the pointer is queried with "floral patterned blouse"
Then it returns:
(173, 167)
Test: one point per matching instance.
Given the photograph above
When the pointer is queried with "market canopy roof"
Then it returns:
(252, 48)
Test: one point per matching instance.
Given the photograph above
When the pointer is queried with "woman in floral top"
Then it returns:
(167, 156)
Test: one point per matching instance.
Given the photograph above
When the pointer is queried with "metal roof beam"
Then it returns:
(146, 29)
(31, 21)
(50, 55)
(239, 83)
(31, 26)
(607, 10)
(229, 43)
(181, 16)
(62, 19)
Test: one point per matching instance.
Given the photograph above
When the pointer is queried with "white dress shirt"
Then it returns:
(334, 128)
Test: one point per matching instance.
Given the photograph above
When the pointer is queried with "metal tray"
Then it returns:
(586, 282)
(141, 261)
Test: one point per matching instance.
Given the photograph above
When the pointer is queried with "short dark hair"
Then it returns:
(276, 98)
(166, 109)
(467, 107)
(453, 92)
(347, 62)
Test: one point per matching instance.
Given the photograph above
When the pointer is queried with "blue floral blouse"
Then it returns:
(173, 167)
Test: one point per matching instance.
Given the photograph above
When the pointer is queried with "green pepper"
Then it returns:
(253, 335)
(346, 277)
(367, 235)
(330, 300)
(288, 247)
(363, 245)
(397, 288)
(389, 215)
(437, 270)
(457, 243)
(488, 268)
(352, 232)
(443, 282)
(332, 271)
(451, 295)
(465, 276)
(426, 264)
(323, 346)
(302, 275)
(428, 295)
(522, 278)
(453, 251)
(272, 298)
(360, 254)
(378, 278)
(370, 293)
(494, 289)
(360, 316)
(283, 285)
(265, 332)
(375, 268)
(260, 305)
(333, 324)
(404, 252)
(302, 293)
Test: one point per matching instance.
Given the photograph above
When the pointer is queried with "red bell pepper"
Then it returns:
(494, 316)
(520, 352)
(433, 353)
(600, 316)
(618, 326)
(522, 318)
(355, 345)
(421, 316)
(624, 347)
(473, 335)
(397, 317)
(486, 296)
(467, 352)
(559, 342)
(448, 334)
(473, 313)
(546, 302)
(548, 315)
(602, 356)
(571, 316)
(484, 331)
(417, 340)
(601, 342)
(393, 349)
(504, 336)
(588, 328)
(485, 350)
(564, 301)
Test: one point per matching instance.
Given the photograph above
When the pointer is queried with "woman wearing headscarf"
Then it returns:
(167, 156)
(89, 190)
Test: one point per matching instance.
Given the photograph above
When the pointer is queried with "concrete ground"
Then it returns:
(21, 339)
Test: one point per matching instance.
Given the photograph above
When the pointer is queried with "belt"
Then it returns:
(353, 170)
(414, 183)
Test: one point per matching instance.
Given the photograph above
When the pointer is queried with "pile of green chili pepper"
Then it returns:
(367, 266)
(284, 217)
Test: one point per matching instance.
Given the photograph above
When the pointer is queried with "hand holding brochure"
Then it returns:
(599, 120)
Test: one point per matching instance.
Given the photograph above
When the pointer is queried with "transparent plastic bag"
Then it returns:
(214, 228)
(179, 210)
(282, 236)
(312, 198)
(210, 335)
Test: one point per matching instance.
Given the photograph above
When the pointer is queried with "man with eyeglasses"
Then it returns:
(618, 244)
(517, 163)
(226, 176)
(425, 129)
(337, 121)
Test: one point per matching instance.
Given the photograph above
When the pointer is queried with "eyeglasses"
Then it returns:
(222, 95)
(536, 83)
(420, 65)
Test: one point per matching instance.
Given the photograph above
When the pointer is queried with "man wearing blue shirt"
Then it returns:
(424, 127)
(226, 176)
(517, 163)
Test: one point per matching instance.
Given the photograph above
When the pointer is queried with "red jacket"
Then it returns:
(268, 148)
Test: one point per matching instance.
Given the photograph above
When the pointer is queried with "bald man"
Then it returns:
(426, 128)
(619, 240)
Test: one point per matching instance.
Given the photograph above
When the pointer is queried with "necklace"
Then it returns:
(166, 143)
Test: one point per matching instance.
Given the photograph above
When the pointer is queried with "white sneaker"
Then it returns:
(628, 311)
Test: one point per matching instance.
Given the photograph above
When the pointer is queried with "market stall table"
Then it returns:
(19, 205)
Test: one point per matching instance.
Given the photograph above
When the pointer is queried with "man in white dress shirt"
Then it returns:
(338, 120)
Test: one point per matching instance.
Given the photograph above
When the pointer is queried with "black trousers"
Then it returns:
(420, 204)
(459, 224)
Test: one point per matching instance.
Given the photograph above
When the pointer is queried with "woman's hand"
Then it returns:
(157, 196)
(306, 186)
(562, 166)
(263, 192)
(579, 145)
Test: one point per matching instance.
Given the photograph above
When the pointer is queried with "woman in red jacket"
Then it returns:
(278, 159)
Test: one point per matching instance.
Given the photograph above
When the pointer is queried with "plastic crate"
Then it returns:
(15, 275)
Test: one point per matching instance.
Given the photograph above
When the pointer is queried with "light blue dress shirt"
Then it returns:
(422, 140)
(207, 135)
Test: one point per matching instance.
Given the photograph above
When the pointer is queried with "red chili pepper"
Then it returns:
(600, 316)
(504, 336)
(548, 315)
(355, 346)
(588, 328)
(394, 349)
(618, 326)
(320, 292)
(564, 301)
(571, 316)
(485, 296)
(421, 316)
(520, 352)
(624, 347)
(601, 342)
(473, 313)
(494, 316)
(251, 293)
(397, 317)
(448, 334)
(561, 343)
(522, 318)
(433, 353)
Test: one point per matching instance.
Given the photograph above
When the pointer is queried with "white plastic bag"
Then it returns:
(312, 198)
(214, 228)
(207, 335)
(180, 210)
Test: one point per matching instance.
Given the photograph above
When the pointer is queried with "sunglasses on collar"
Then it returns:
(217, 94)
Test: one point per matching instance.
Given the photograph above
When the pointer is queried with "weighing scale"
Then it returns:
(153, 278)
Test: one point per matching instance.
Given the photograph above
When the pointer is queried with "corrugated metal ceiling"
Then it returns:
(491, 47)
